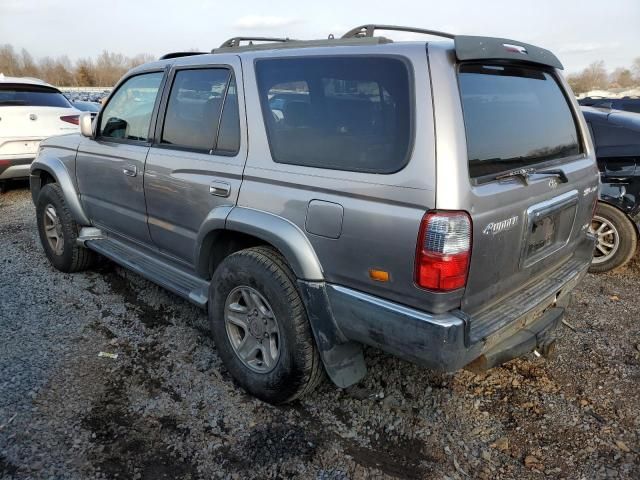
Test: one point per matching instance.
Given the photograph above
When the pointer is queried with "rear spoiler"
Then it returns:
(488, 48)
(474, 48)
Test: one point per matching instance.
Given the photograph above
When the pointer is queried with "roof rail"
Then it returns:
(368, 31)
(179, 54)
(235, 41)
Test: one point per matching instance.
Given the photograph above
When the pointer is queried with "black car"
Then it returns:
(628, 104)
(616, 137)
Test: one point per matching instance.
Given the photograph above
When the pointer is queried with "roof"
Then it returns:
(25, 80)
(466, 47)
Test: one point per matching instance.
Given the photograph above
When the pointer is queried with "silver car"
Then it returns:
(431, 199)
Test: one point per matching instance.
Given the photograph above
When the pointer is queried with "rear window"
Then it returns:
(31, 96)
(341, 113)
(514, 117)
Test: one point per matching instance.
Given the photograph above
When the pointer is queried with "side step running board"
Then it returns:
(176, 280)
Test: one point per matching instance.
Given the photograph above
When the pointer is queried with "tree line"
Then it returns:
(103, 71)
(596, 77)
(107, 68)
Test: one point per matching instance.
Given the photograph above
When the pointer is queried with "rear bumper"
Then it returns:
(15, 166)
(450, 341)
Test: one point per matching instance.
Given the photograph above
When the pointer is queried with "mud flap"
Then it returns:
(343, 359)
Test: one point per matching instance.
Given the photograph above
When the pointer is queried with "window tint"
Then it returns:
(128, 113)
(514, 117)
(229, 133)
(342, 113)
(31, 96)
(194, 107)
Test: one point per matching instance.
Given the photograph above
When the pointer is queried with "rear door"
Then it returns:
(197, 159)
(517, 117)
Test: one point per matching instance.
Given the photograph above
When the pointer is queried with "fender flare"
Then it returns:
(634, 218)
(284, 235)
(54, 167)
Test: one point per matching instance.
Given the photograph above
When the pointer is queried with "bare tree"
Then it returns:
(635, 68)
(28, 65)
(621, 78)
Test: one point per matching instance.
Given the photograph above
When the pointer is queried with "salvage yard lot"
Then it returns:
(166, 408)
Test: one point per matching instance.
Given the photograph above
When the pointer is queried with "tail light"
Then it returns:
(444, 251)
(75, 119)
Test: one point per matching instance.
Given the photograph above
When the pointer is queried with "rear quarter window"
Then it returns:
(514, 117)
(31, 96)
(341, 113)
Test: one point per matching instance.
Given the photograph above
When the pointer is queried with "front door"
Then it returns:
(110, 166)
(198, 157)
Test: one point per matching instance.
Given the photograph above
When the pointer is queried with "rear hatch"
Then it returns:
(29, 113)
(532, 186)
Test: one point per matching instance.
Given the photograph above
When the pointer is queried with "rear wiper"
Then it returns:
(525, 173)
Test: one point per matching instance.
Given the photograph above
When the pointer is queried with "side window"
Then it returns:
(342, 113)
(229, 133)
(202, 103)
(128, 114)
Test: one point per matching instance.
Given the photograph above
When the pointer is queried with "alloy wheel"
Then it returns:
(53, 229)
(252, 329)
(607, 238)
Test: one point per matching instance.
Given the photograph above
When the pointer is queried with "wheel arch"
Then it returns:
(228, 229)
(636, 224)
(46, 169)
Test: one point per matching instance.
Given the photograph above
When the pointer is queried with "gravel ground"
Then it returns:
(166, 408)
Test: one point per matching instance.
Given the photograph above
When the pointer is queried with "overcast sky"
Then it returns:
(579, 32)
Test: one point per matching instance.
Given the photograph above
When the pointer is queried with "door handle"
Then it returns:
(220, 189)
(130, 170)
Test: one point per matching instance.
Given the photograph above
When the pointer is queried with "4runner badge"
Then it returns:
(494, 228)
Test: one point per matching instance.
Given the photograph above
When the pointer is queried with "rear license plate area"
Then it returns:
(543, 234)
(549, 227)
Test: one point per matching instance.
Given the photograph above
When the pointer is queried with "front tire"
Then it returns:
(59, 231)
(616, 239)
(260, 326)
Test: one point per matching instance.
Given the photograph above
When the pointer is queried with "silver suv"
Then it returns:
(431, 199)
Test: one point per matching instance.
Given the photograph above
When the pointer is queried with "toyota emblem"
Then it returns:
(33, 116)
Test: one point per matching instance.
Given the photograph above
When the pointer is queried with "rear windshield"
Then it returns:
(31, 96)
(514, 117)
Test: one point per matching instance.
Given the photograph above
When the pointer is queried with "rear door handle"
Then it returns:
(220, 189)
(130, 170)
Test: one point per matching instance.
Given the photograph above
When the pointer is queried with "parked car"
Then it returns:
(86, 106)
(30, 110)
(628, 104)
(616, 137)
(431, 199)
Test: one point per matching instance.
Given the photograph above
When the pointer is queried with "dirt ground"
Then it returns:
(167, 408)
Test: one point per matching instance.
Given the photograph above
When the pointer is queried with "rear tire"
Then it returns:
(616, 241)
(59, 231)
(260, 326)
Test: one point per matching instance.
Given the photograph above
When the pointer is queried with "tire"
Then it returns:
(68, 256)
(617, 239)
(261, 273)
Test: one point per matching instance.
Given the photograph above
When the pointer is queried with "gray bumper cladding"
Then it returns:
(342, 319)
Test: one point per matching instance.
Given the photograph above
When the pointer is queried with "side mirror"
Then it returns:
(86, 124)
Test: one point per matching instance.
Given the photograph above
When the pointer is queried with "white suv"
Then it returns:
(30, 110)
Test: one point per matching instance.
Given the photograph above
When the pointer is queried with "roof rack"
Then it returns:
(235, 41)
(368, 31)
(179, 54)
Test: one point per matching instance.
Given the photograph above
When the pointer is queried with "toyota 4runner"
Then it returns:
(431, 199)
